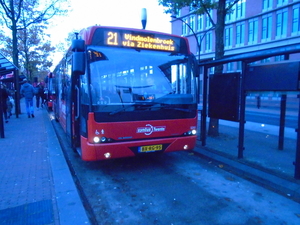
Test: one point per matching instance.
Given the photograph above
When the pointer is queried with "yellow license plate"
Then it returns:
(150, 148)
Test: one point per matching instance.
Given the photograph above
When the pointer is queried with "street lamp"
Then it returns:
(204, 103)
(195, 35)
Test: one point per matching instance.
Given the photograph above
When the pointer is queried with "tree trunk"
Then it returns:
(213, 128)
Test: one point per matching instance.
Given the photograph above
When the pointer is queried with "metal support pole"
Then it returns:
(204, 110)
(1, 115)
(297, 160)
(17, 93)
(242, 113)
(282, 122)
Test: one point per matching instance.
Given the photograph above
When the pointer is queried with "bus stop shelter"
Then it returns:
(8, 73)
(243, 85)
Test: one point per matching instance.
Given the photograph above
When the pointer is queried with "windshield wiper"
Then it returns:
(141, 106)
(176, 108)
(149, 106)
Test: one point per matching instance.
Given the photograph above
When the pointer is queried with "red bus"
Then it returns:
(121, 92)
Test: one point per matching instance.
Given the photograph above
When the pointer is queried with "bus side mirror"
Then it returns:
(78, 45)
(78, 63)
(78, 56)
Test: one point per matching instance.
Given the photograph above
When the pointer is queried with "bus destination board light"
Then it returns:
(141, 41)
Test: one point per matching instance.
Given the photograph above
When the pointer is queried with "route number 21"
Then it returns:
(112, 38)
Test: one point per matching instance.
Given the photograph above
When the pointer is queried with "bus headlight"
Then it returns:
(96, 139)
(190, 132)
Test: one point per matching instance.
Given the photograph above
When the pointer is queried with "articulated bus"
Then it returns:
(123, 92)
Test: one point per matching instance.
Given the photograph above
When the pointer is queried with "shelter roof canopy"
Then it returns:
(6, 66)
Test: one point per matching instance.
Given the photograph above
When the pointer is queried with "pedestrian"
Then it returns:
(4, 97)
(39, 95)
(27, 90)
(44, 98)
(10, 104)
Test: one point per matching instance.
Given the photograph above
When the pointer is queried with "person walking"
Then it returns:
(27, 90)
(10, 105)
(39, 95)
(4, 97)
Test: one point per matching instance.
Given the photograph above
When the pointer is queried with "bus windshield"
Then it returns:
(130, 77)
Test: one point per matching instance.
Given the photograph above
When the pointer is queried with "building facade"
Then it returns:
(252, 25)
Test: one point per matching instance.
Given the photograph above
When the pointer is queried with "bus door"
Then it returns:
(78, 69)
(75, 112)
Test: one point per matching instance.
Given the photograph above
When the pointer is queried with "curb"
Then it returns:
(69, 205)
(270, 181)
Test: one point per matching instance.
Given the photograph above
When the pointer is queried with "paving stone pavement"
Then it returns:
(36, 185)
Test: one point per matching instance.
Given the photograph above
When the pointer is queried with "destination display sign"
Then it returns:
(140, 40)
(126, 38)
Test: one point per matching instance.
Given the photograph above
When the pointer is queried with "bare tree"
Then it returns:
(33, 12)
(21, 14)
(222, 7)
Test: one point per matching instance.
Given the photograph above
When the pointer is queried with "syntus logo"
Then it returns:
(149, 129)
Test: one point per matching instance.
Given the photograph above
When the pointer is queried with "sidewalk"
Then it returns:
(36, 184)
(262, 161)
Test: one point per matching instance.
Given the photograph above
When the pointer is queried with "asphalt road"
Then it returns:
(271, 118)
(173, 188)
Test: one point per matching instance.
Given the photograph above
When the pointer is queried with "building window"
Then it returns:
(185, 27)
(228, 37)
(279, 58)
(296, 19)
(229, 67)
(207, 20)
(267, 5)
(266, 60)
(192, 24)
(200, 22)
(229, 17)
(281, 23)
(208, 42)
(239, 66)
(281, 2)
(253, 31)
(240, 9)
(266, 27)
(240, 34)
